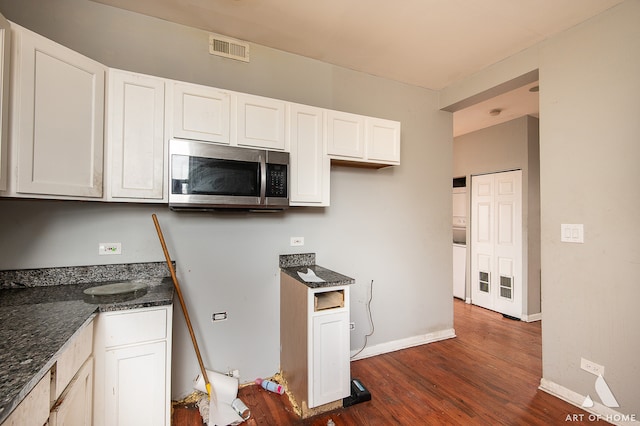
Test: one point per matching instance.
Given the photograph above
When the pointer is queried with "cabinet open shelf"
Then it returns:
(328, 300)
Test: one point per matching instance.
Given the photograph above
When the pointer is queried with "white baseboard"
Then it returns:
(597, 412)
(532, 317)
(467, 301)
(408, 342)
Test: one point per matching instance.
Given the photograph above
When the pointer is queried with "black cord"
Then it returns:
(373, 328)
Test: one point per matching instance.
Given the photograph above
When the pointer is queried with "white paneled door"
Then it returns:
(496, 242)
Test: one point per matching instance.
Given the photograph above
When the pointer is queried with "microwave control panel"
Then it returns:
(276, 180)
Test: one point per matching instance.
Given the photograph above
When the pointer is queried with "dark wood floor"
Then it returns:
(489, 374)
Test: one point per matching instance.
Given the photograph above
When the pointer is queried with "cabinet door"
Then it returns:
(309, 167)
(201, 113)
(34, 408)
(60, 114)
(135, 385)
(136, 136)
(5, 53)
(383, 140)
(74, 406)
(331, 373)
(260, 122)
(345, 136)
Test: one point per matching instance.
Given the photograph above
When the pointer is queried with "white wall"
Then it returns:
(589, 170)
(589, 152)
(390, 225)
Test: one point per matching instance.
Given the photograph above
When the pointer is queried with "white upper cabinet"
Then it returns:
(5, 54)
(200, 113)
(135, 137)
(260, 122)
(383, 140)
(360, 139)
(309, 166)
(345, 136)
(58, 118)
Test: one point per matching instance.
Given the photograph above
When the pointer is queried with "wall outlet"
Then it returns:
(297, 241)
(218, 316)
(591, 367)
(234, 373)
(109, 248)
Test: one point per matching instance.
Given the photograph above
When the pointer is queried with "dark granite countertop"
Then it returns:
(38, 321)
(291, 264)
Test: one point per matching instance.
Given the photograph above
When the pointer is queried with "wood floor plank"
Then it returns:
(488, 374)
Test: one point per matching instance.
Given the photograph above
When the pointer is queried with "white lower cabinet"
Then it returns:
(133, 367)
(64, 396)
(73, 407)
(314, 342)
(331, 371)
(34, 408)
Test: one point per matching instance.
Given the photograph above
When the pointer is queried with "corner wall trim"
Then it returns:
(532, 317)
(598, 411)
(408, 342)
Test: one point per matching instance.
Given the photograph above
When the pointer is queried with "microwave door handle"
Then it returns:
(263, 179)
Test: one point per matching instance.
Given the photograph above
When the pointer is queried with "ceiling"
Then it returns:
(426, 43)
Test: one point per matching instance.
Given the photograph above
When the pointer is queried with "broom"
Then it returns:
(182, 304)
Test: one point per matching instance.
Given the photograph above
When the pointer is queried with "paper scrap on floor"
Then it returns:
(224, 390)
(310, 276)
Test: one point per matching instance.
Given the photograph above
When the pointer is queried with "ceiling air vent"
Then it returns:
(228, 47)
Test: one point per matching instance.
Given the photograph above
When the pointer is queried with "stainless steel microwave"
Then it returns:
(206, 176)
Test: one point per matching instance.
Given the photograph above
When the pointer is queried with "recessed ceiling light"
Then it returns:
(494, 112)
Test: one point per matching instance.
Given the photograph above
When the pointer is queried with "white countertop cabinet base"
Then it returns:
(314, 356)
(133, 367)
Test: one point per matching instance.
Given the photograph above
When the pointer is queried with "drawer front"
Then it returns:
(72, 359)
(34, 409)
(130, 327)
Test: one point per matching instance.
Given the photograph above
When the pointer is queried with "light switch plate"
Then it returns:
(572, 233)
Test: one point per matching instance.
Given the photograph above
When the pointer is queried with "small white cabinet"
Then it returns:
(309, 166)
(200, 113)
(5, 55)
(260, 122)
(356, 139)
(331, 372)
(135, 137)
(383, 140)
(345, 135)
(314, 340)
(58, 118)
(133, 367)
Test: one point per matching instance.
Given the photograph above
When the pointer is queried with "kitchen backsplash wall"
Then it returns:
(390, 226)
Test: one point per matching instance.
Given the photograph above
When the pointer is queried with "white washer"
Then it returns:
(459, 270)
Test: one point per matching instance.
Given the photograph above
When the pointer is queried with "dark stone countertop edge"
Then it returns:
(160, 293)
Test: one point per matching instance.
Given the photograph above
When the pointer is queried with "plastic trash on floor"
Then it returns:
(224, 407)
